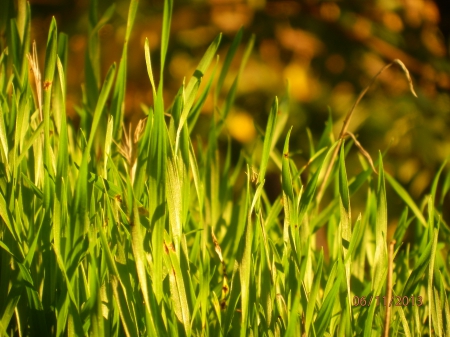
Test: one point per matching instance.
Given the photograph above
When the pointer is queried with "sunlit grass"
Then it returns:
(109, 232)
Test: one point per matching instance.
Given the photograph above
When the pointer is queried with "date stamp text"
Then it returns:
(398, 301)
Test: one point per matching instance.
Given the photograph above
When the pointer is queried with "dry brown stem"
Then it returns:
(348, 118)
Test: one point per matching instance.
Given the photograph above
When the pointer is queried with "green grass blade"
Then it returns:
(268, 140)
(406, 198)
(324, 315)
(313, 294)
(380, 259)
(229, 101)
(81, 192)
(227, 62)
(50, 64)
(177, 288)
(141, 268)
(194, 83)
(157, 192)
(167, 18)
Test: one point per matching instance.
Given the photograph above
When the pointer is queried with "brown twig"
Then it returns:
(362, 150)
(349, 116)
(387, 319)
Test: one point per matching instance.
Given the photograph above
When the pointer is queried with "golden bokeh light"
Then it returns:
(393, 22)
(330, 11)
(241, 126)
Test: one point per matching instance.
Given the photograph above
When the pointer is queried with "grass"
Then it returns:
(105, 232)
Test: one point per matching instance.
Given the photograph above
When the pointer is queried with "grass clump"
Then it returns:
(110, 233)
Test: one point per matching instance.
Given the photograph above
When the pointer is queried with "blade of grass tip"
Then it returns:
(445, 188)
(227, 62)
(59, 89)
(434, 185)
(349, 115)
(21, 18)
(308, 195)
(118, 102)
(268, 139)
(63, 44)
(91, 66)
(14, 45)
(81, 190)
(106, 88)
(327, 138)
(63, 152)
(312, 150)
(25, 33)
(380, 260)
(3, 139)
(194, 83)
(148, 62)
(417, 274)
(142, 158)
(108, 142)
(355, 238)
(402, 226)
(193, 116)
(50, 63)
(107, 15)
(313, 294)
(403, 194)
(30, 141)
(203, 65)
(288, 192)
(167, 18)
(229, 101)
(246, 260)
(282, 116)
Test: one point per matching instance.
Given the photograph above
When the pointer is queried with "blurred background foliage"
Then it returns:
(319, 53)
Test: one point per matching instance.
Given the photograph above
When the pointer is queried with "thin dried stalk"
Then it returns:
(34, 63)
(126, 149)
(362, 150)
(350, 114)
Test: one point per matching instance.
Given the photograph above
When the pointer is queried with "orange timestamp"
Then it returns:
(398, 301)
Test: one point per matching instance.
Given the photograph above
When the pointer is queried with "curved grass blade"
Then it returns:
(323, 319)
(268, 140)
(177, 288)
(227, 62)
(194, 83)
(406, 198)
(313, 294)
